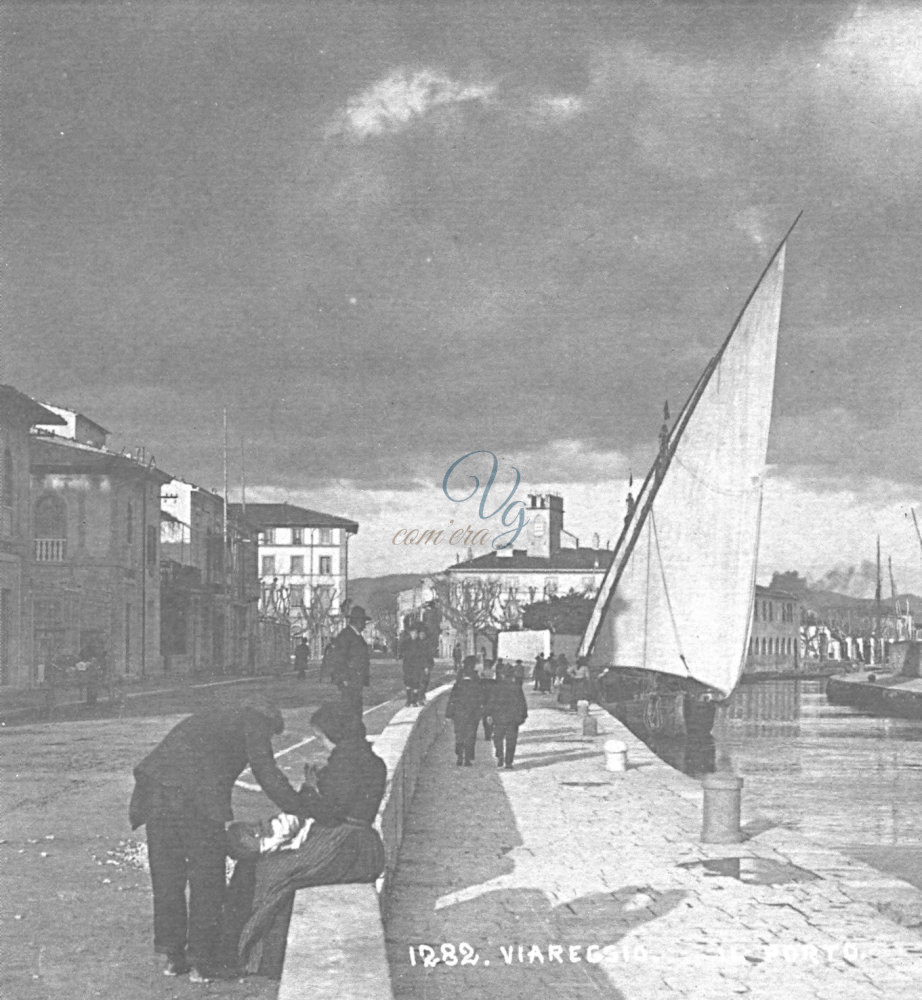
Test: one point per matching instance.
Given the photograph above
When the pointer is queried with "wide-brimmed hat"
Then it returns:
(358, 612)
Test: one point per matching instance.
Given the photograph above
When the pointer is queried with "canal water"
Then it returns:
(849, 781)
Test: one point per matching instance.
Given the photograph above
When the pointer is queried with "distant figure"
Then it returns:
(487, 681)
(631, 505)
(417, 662)
(457, 656)
(579, 690)
(350, 661)
(509, 710)
(465, 709)
(302, 655)
(538, 672)
(519, 671)
(562, 672)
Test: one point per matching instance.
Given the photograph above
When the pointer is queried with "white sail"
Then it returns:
(678, 596)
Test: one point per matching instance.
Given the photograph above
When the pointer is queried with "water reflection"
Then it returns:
(849, 781)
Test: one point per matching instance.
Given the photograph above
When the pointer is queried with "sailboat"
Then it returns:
(669, 632)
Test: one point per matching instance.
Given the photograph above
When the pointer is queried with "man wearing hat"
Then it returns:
(350, 661)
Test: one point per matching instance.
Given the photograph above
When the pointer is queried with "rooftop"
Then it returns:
(286, 515)
(14, 401)
(564, 559)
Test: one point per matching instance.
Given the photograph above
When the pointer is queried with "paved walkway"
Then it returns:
(564, 880)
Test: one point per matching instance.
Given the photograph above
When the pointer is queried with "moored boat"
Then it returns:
(669, 631)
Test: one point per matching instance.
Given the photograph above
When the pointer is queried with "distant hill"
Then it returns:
(378, 594)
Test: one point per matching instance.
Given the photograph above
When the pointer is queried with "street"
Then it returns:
(75, 914)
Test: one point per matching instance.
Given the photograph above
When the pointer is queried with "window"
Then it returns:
(268, 564)
(269, 536)
(296, 595)
(539, 527)
(326, 537)
(326, 565)
(50, 529)
(297, 565)
(297, 537)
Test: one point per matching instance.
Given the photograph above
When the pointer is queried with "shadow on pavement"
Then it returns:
(460, 840)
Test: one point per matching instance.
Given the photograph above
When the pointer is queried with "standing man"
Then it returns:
(457, 656)
(350, 662)
(183, 795)
(302, 655)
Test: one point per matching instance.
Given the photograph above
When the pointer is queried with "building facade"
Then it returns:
(209, 585)
(95, 566)
(774, 640)
(18, 413)
(303, 566)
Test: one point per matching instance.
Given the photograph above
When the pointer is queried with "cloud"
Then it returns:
(879, 51)
(403, 97)
(558, 108)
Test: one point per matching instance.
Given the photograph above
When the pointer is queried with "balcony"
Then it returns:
(50, 549)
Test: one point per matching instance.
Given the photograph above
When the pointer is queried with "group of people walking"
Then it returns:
(497, 702)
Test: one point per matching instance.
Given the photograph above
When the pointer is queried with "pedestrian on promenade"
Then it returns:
(562, 673)
(350, 661)
(509, 710)
(465, 709)
(183, 795)
(579, 685)
(302, 656)
(416, 665)
(538, 672)
(457, 656)
(519, 671)
(487, 683)
(329, 842)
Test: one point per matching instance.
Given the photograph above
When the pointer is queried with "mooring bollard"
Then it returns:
(582, 708)
(721, 815)
(615, 756)
(590, 725)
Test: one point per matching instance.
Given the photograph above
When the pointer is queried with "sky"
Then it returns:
(385, 235)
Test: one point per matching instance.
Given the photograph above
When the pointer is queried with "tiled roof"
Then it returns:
(286, 515)
(564, 559)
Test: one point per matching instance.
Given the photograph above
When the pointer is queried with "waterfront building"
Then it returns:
(774, 642)
(95, 563)
(18, 413)
(303, 566)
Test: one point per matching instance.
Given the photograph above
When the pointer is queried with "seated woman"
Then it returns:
(330, 842)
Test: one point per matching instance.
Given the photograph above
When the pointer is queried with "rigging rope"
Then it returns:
(659, 556)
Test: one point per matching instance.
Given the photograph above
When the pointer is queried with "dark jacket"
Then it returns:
(466, 700)
(349, 659)
(351, 783)
(507, 705)
(302, 657)
(202, 757)
(417, 661)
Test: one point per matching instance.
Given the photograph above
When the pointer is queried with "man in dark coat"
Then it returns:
(509, 710)
(465, 708)
(302, 656)
(183, 795)
(417, 661)
(350, 662)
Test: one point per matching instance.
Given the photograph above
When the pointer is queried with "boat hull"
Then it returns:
(896, 699)
(660, 706)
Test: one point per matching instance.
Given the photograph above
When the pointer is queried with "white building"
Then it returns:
(303, 564)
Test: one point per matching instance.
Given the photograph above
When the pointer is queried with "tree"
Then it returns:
(470, 604)
(790, 581)
(569, 614)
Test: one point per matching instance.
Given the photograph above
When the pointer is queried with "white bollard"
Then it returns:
(615, 756)
(582, 707)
